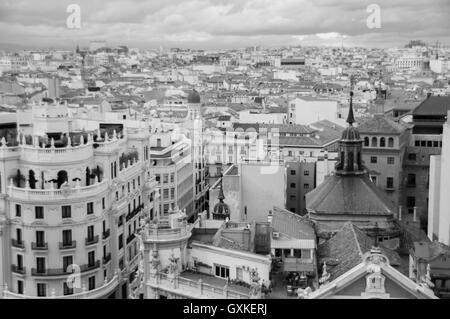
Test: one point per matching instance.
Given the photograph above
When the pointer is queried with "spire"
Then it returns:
(221, 196)
(350, 117)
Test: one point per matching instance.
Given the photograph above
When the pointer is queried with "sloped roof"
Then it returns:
(381, 124)
(346, 248)
(349, 195)
(434, 105)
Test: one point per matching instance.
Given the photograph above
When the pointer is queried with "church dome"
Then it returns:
(221, 208)
(193, 97)
(350, 134)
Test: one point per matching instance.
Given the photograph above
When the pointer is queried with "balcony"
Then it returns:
(89, 267)
(98, 293)
(92, 241)
(39, 246)
(106, 234)
(57, 154)
(49, 272)
(197, 286)
(55, 272)
(106, 258)
(130, 238)
(18, 270)
(17, 243)
(134, 212)
(45, 195)
(68, 245)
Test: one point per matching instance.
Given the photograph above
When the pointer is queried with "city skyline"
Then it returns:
(222, 24)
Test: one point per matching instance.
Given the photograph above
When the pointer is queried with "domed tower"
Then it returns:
(350, 147)
(221, 210)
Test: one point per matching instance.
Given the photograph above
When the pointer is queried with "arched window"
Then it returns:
(88, 176)
(366, 141)
(391, 142)
(382, 142)
(32, 179)
(62, 178)
(374, 142)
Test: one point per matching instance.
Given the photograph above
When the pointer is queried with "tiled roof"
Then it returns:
(430, 250)
(381, 124)
(349, 195)
(345, 249)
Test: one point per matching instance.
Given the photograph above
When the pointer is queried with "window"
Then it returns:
(172, 177)
(40, 242)
(120, 221)
(139, 181)
(391, 142)
(306, 186)
(292, 172)
(373, 159)
(292, 209)
(222, 271)
(390, 160)
(90, 233)
(103, 203)
(67, 237)
(429, 143)
(172, 193)
(366, 141)
(166, 208)
(90, 208)
(412, 156)
(411, 180)
(120, 241)
(66, 211)
(20, 287)
(292, 185)
(67, 261)
(91, 258)
(292, 197)
(389, 182)
(157, 177)
(165, 178)
(165, 193)
(41, 289)
(40, 265)
(374, 142)
(19, 235)
(39, 212)
(410, 201)
(435, 143)
(19, 262)
(416, 143)
(18, 210)
(306, 173)
(67, 290)
(91, 281)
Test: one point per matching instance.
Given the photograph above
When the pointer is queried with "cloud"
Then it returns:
(220, 23)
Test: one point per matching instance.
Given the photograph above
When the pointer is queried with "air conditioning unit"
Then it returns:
(276, 234)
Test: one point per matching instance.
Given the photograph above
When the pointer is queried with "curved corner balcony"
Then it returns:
(98, 293)
(109, 145)
(57, 194)
(154, 234)
(56, 154)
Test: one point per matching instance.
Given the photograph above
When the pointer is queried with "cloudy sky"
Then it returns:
(214, 24)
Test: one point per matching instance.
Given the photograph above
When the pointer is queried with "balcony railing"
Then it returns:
(18, 270)
(100, 292)
(107, 258)
(134, 212)
(88, 267)
(193, 289)
(106, 233)
(92, 241)
(39, 246)
(48, 272)
(17, 243)
(130, 238)
(57, 194)
(68, 245)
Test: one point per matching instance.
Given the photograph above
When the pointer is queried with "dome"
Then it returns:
(221, 209)
(350, 134)
(193, 97)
